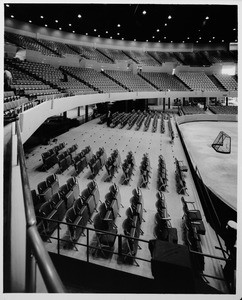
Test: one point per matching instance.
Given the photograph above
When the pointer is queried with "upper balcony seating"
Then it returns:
(193, 58)
(115, 54)
(27, 43)
(142, 58)
(163, 57)
(227, 81)
(164, 81)
(190, 110)
(224, 109)
(219, 56)
(131, 81)
(197, 81)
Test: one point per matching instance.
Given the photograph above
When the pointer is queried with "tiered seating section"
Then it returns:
(190, 110)
(180, 177)
(142, 58)
(227, 81)
(163, 81)
(198, 81)
(231, 110)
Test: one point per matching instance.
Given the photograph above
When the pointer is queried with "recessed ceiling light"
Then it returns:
(118, 25)
(122, 39)
(188, 38)
(60, 28)
(106, 31)
(56, 21)
(222, 41)
(111, 37)
(41, 17)
(70, 25)
(99, 35)
(207, 18)
(95, 30)
(146, 40)
(164, 37)
(73, 31)
(79, 16)
(183, 41)
(86, 33)
(171, 41)
(12, 16)
(234, 29)
(159, 41)
(235, 40)
(153, 37)
(45, 25)
(196, 41)
(30, 21)
(209, 41)
(169, 17)
(135, 40)
(7, 5)
(200, 38)
(158, 30)
(118, 33)
(144, 12)
(165, 24)
(213, 37)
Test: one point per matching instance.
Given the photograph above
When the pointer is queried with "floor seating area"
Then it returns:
(162, 124)
(65, 158)
(82, 159)
(162, 175)
(164, 81)
(49, 158)
(197, 81)
(140, 120)
(171, 131)
(190, 110)
(180, 177)
(224, 109)
(97, 162)
(112, 164)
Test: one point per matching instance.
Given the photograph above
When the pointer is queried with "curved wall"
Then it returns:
(206, 117)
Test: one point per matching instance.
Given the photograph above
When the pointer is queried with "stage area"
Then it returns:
(218, 170)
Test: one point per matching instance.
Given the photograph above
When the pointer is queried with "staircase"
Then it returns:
(140, 75)
(217, 83)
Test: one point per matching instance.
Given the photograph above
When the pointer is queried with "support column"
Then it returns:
(184, 100)
(216, 101)
(65, 114)
(86, 113)
(206, 103)
(227, 101)
(164, 104)
(78, 111)
(169, 102)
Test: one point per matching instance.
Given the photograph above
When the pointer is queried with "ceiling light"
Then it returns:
(188, 38)
(73, 31)
(70, 25)
(153, 37)
(200, 38)
(111, 37)
(99, 35)
(196, 41)
(118, 33)
(164, 37)
(45, 25)
(183, 41)
(158, 30)
(169, 17)
(209, 41)
(122, 39)
(41, 17)
(106, 31)
(7, 5)
(146, 40)
(171, 41)
(159, 41)
(234, 29)
(134, 40)
(86, 33)
(95, 30)
(235, 40)
(222, 41)
(30, 21)
(144, 12)
(213, 37)
(79, 16)
(118, 25)
(165, 24)
(12, 16)
(56, 21)
(60, 28)
(207, 18)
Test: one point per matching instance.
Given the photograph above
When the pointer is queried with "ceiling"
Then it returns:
(140, 22)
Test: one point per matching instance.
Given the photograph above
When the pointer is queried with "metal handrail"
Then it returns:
(47, 268)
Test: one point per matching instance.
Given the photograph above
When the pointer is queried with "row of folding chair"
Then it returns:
(180, 179)
(81, 211)
(97, 162)
(64, 158)
(125, 119)
(155, 122)
(128, 167)
(171, 131)
(162, 124)
(82, 159)
(116, 119)
(147, 122)
(162, 174)
(145, 170)
(112, 164)
(50, 157)
(163, 229)
(133, 119)
(140, 121)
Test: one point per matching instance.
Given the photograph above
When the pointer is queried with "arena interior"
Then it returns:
(120, 149)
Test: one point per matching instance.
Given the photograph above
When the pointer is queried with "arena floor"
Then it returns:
(218, 170)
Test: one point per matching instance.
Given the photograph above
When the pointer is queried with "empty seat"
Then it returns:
(44, 191)
(53, 183)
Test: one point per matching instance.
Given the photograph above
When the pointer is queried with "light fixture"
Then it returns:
(196, 41)
(122, 39)
(188, 38)
(45, 25)
(144, 12)
(70, 25)
(200, 38)
(60, 28)
(207, 18)
(12, 16)
(165, 24)
(158, 30)
(153, 37)
(86, 33)
(106, 31)
(118, 25)
(146, 40)
(7, 5)
(169, 17)
(159, 41)
(164, 37)
(111, 37)
(30, 21)
(95, 30)
(235, 40)
(79, 16)
(118, 33)
(171, 41)
(222, 41)
(234, 29)
(56, 21)
(213, 37)
(183, 41)
(209, 41)
(73, 31)
(41, 17)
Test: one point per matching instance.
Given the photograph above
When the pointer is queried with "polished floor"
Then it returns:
(139, 142)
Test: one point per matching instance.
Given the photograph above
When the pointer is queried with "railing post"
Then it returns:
(30, 277)
(87, 245)
(58, 237)
(119, 245)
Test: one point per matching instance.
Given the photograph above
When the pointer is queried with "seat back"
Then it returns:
(42, 186)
